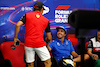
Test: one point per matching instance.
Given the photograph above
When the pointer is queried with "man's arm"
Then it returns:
(78, 57)
(48, 33)
(49, 36)
(74, 53)
(89, 51)
(48, 40)
(17, 28)
(48, 47)
(94, 56)
(89, 48)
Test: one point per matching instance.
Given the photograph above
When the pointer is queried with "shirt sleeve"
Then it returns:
(71, 47)
(90, 45)
(23, 19)
(48, 28)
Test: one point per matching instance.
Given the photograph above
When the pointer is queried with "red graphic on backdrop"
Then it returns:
(63, 7)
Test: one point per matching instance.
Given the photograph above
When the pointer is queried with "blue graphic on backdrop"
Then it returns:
(57, 12)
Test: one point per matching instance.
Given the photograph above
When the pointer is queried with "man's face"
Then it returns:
(98, 34)
(61, 33)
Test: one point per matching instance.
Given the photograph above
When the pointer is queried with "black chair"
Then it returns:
(54, 62)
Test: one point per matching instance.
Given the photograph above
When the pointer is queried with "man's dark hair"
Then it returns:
(38, 6)
(37, 9)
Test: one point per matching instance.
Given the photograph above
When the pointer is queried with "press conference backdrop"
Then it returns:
(57, 12)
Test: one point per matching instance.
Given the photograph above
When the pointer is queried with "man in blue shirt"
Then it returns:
(61, 47)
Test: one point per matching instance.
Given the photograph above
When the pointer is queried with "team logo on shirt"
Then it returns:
(58, 44)
(96, 49)
(66, 42)
(89, 44)
(37, 15)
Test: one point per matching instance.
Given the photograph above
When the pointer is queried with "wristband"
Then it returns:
(77, 55)
(92, 55)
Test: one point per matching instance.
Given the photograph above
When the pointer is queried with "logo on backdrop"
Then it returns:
(46, 10)
(61, 13)
(27, 9)
(31, 9)
(7, 8)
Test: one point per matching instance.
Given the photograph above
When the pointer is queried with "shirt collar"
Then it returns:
(38, 12)
(60, 40)
(96, 38)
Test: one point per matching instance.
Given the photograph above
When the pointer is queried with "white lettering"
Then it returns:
(97, 49)
(7, 8)
(61, 20)
(62, 12)
(61, 16)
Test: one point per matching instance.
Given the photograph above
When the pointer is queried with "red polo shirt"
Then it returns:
(35, 25)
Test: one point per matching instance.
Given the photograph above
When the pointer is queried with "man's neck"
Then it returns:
(39, 11)
(62, 40)
(98, 39)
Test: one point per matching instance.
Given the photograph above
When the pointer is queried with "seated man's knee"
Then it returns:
(30, 64)
(86, 57)
(48, 62)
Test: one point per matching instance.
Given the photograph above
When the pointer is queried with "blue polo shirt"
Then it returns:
(60, 49)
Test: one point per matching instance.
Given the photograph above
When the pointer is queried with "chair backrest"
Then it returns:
(14, 53)
(86, 45)
(73, 39)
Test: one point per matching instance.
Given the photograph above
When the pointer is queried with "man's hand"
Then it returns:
(74, 64)
(16, 39)
(95, 56)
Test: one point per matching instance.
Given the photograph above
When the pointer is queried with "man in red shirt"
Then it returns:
(35, 24)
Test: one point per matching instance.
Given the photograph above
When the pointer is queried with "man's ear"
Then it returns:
(41, 9)
(65, 34)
